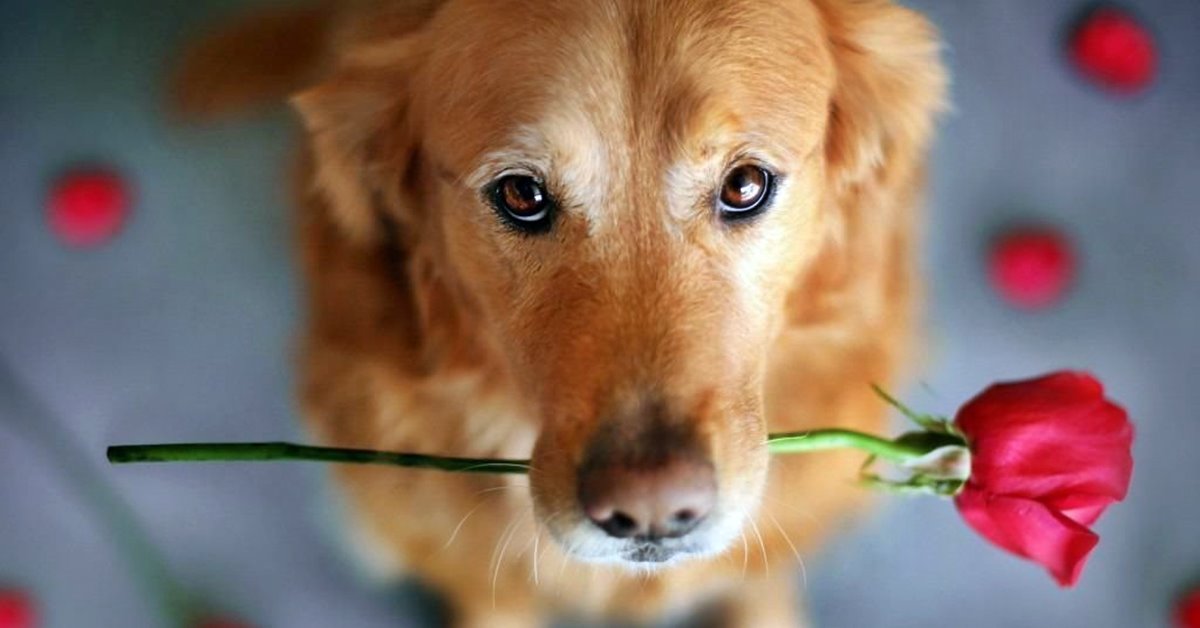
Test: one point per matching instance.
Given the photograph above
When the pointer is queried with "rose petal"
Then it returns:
(1054, 439)
(1031, 530)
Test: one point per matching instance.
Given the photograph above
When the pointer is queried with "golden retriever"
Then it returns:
(626, 238)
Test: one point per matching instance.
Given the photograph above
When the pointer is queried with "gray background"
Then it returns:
(180, 330)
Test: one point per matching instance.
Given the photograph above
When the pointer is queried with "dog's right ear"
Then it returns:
(360, 138)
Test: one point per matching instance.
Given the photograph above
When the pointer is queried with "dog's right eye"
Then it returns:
(523, 203)
(745, 193)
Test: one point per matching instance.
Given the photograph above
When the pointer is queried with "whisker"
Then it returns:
(461, 522)
(532, 537)
(510, 532)
(496, 549)
(762, 547)
(538, 532)
(497, 465)
(788, 539)
(458, 528)
(793, 508)
(537, 537)
(562, 563)
(501, 487)
(745, 555)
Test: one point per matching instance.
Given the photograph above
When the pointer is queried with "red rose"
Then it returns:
(1048, 456)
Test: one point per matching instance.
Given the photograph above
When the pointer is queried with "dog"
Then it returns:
(624, 239)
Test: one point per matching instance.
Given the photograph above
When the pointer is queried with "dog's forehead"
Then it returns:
(597, 80)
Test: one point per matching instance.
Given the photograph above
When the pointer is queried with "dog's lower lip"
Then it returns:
(649, 553)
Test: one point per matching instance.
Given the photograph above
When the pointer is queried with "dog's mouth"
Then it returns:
(652, 553)
(643, 553)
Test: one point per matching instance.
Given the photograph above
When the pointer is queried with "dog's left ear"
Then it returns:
(890, 86)
(361, 144)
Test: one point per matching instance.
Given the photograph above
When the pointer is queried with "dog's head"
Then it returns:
(620, 196)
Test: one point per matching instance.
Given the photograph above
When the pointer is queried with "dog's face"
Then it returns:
(620, 195)
(628, 192)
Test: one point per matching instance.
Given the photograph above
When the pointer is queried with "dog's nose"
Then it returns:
(665, 500)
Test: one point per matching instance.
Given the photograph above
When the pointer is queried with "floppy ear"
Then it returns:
(254, 61)
(356, 118)
(890, 86)
(348, 118)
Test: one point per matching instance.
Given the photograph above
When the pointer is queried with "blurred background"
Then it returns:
(178, 326)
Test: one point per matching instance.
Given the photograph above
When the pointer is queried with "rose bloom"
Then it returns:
(1048, 455)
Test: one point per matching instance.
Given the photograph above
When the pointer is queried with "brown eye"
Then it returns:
(745, 191)
(523, 202)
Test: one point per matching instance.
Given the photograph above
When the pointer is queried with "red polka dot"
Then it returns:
(88, 207)
(16, 610)
(1115, 51)
(1187, 613)
(1032, 268)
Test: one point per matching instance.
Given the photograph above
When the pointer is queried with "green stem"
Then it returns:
(899, 450)
(783, 443)
(220, 452)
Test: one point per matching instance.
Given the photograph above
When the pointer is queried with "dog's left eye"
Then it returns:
(523, 203)
(745, 192)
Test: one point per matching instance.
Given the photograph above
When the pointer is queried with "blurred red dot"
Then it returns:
(16, 610)
(1032, 268)
(87, 207)
(1114, 50)
(1187, 614)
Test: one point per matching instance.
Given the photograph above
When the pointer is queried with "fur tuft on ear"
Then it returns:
(356, 117)
(348, 119)
(890, 86)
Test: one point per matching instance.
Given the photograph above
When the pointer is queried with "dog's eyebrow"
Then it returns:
(719, 136)
(700, 124)
(527, 149)
(503, 161)
(565, 148)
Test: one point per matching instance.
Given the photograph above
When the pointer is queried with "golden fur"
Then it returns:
(430, 328)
